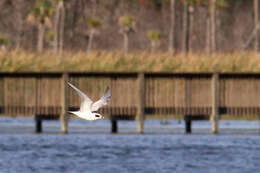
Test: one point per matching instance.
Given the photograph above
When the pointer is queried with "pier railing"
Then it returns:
(134, 95)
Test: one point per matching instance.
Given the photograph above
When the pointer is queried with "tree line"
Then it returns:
(130, 25)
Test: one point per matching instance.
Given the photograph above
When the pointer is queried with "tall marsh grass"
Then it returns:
(102, 61)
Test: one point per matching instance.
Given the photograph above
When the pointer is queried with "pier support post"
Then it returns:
(114, 128)
(64, 103)
(215, 103)
(38, 125)
(188, 124)
(187, 97)
(141, 103)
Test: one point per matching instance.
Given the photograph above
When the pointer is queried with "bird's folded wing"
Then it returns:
(85, 100)
(102, 101)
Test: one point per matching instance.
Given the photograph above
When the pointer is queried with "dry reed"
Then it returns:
(102, 61)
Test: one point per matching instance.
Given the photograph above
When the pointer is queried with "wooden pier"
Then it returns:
(135, 96)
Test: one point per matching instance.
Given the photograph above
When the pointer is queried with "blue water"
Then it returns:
(89, 147)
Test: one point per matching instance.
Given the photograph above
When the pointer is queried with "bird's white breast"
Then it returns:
(85, 115)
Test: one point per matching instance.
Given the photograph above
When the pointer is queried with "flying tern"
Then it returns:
(88, 108)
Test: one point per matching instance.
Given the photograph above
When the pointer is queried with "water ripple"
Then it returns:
(129, 153)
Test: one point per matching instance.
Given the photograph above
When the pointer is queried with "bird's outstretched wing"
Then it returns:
(102, 101)
(86, 102)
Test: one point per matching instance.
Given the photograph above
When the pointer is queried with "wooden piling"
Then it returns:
(114, 128)
(38, 122)
(38, 125)
(215, 103)
(187, 118)
(64, 103)
(141, 103)
(188, 123)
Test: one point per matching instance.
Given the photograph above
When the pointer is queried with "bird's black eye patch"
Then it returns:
(97, 116)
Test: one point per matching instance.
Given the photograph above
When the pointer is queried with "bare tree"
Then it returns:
(213, 25)
(59, 26)
(185, 27)
(18, 7)
(75, 17)
(172, 29)
(212, 6)
(208, 42)
(191, 26)
(94, 7)
(256, 20)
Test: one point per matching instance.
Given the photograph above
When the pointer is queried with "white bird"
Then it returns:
(88, 108)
